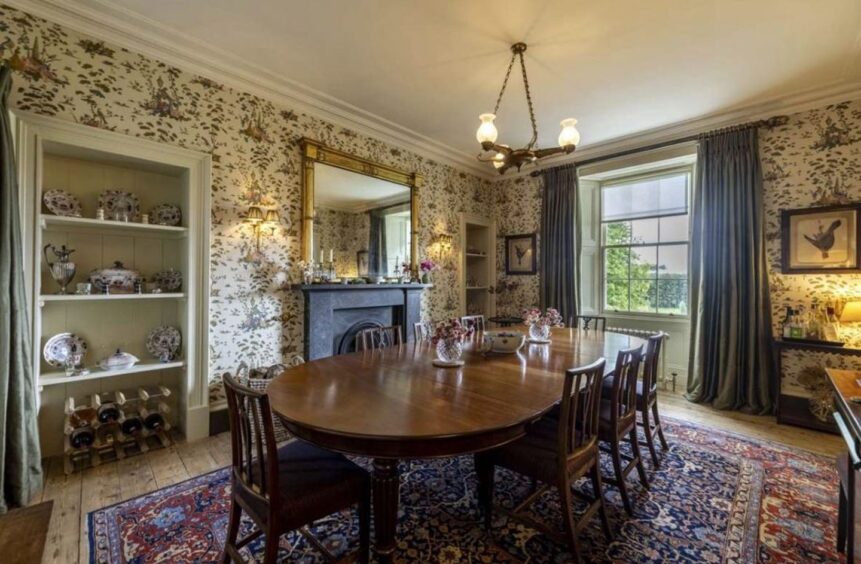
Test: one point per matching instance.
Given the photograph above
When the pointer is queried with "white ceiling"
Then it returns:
(339, 189)
(619, 67)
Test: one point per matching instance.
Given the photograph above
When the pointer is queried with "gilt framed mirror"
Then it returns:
(358, 215)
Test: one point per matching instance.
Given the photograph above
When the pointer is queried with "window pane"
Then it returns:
(617, 295)
(674, 228)
(673, 297)
(643, 295)
(644, 231)
(643, 262)
(617, 233)
(645, 198)
(673, 261)
(616, 263)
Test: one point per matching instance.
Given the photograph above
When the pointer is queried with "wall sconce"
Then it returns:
(259, 220)
(444, 242)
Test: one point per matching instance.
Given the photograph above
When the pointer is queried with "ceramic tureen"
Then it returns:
(119, 361)
(502, 341)
(117, 279)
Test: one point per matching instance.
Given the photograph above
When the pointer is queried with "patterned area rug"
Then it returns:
(718, 497)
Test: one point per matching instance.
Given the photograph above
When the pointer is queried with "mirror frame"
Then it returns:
(314, 152)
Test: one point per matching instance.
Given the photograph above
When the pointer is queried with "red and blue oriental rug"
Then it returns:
(717, 497)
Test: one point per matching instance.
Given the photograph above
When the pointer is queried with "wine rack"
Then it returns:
(112, 425)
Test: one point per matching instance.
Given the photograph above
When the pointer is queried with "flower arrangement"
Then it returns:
(451, 330)
(428, 265)
(550, 318)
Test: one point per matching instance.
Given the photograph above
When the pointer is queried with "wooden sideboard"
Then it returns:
(794, 410)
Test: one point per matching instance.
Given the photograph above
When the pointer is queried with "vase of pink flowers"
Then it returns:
(448, 339)
(427, 266)
(539, 323)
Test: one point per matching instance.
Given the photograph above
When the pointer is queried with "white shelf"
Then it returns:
(476, 287)
(47, 220)
(52, 378)
(108, 297)
(476, 255)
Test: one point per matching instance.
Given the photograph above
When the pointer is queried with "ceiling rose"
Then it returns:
(503, 156)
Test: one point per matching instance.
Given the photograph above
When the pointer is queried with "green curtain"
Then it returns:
(560, 242)
(20, 459)
(730, 363)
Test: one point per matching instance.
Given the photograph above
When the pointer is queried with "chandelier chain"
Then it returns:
(529, 102)
(504, 84)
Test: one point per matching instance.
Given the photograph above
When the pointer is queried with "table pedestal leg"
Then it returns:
(386, 490)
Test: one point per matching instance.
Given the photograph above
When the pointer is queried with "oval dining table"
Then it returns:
(392, 404)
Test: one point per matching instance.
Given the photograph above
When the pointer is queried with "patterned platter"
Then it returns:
(169, 280)
(166, 214)
(62, 345)
(60, 202)
(164, 342)
(118, 203)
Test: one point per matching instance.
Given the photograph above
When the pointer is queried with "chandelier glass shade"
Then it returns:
(503, 157)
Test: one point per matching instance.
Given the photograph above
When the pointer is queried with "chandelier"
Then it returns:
(503, 156)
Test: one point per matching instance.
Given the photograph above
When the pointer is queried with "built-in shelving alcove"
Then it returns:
(84, 162)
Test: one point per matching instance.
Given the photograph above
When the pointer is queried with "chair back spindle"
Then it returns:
(475, 322)
(624, 392)
(581, 403)
(252, 438)
(651, 362)
(379, 338)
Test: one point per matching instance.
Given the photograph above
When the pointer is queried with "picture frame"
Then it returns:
(521, 254)
(821, 240)
(362, 264)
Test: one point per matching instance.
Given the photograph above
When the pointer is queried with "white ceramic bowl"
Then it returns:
(503, 341)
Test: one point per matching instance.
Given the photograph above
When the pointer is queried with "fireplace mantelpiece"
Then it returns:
(332, 310)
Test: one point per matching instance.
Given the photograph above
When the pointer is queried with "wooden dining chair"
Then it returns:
(475, 322)
(284, 488)
(618, 421)
(379, 338)
(596, 322)
(557, 450)
(647, 396)
(423, 331)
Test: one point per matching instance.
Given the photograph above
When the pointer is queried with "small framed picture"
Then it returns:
(819, 240)
(520, 254)
(362, 263)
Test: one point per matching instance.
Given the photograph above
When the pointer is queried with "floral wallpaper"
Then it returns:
(256, 161)
(813, 160)
(346, 234)
(518, 211)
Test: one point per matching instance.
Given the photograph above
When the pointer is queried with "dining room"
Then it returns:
(333, 282)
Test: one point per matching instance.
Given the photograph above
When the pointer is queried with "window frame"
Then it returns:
(603, 246)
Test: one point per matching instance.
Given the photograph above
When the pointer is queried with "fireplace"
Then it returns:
(335, 313)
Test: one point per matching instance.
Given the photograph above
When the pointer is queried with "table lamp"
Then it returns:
(851, 312)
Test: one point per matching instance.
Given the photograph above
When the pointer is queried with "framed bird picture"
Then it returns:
(520, 254)
(821, 240)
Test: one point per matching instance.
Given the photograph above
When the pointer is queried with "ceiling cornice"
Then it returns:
(137, 33)
(118, 25)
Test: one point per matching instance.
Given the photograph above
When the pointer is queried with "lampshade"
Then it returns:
(569, 136)
(254, 215)
(851, 312)
(487, 132)
(272, 216)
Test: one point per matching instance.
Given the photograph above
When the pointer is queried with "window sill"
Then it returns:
(654, 318)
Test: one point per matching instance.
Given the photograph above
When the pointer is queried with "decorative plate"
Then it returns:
(118, 279)
(59, 347)
(166, 214)
(164, 342)
(60, 202)
(118, 203)
(169, 280)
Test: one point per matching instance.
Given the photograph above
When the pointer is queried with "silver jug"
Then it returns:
(62, 269)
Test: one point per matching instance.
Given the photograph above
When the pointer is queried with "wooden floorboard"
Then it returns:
(76, 495)
(23, 532)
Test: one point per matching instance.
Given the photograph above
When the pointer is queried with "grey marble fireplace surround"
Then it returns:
(334, 313)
